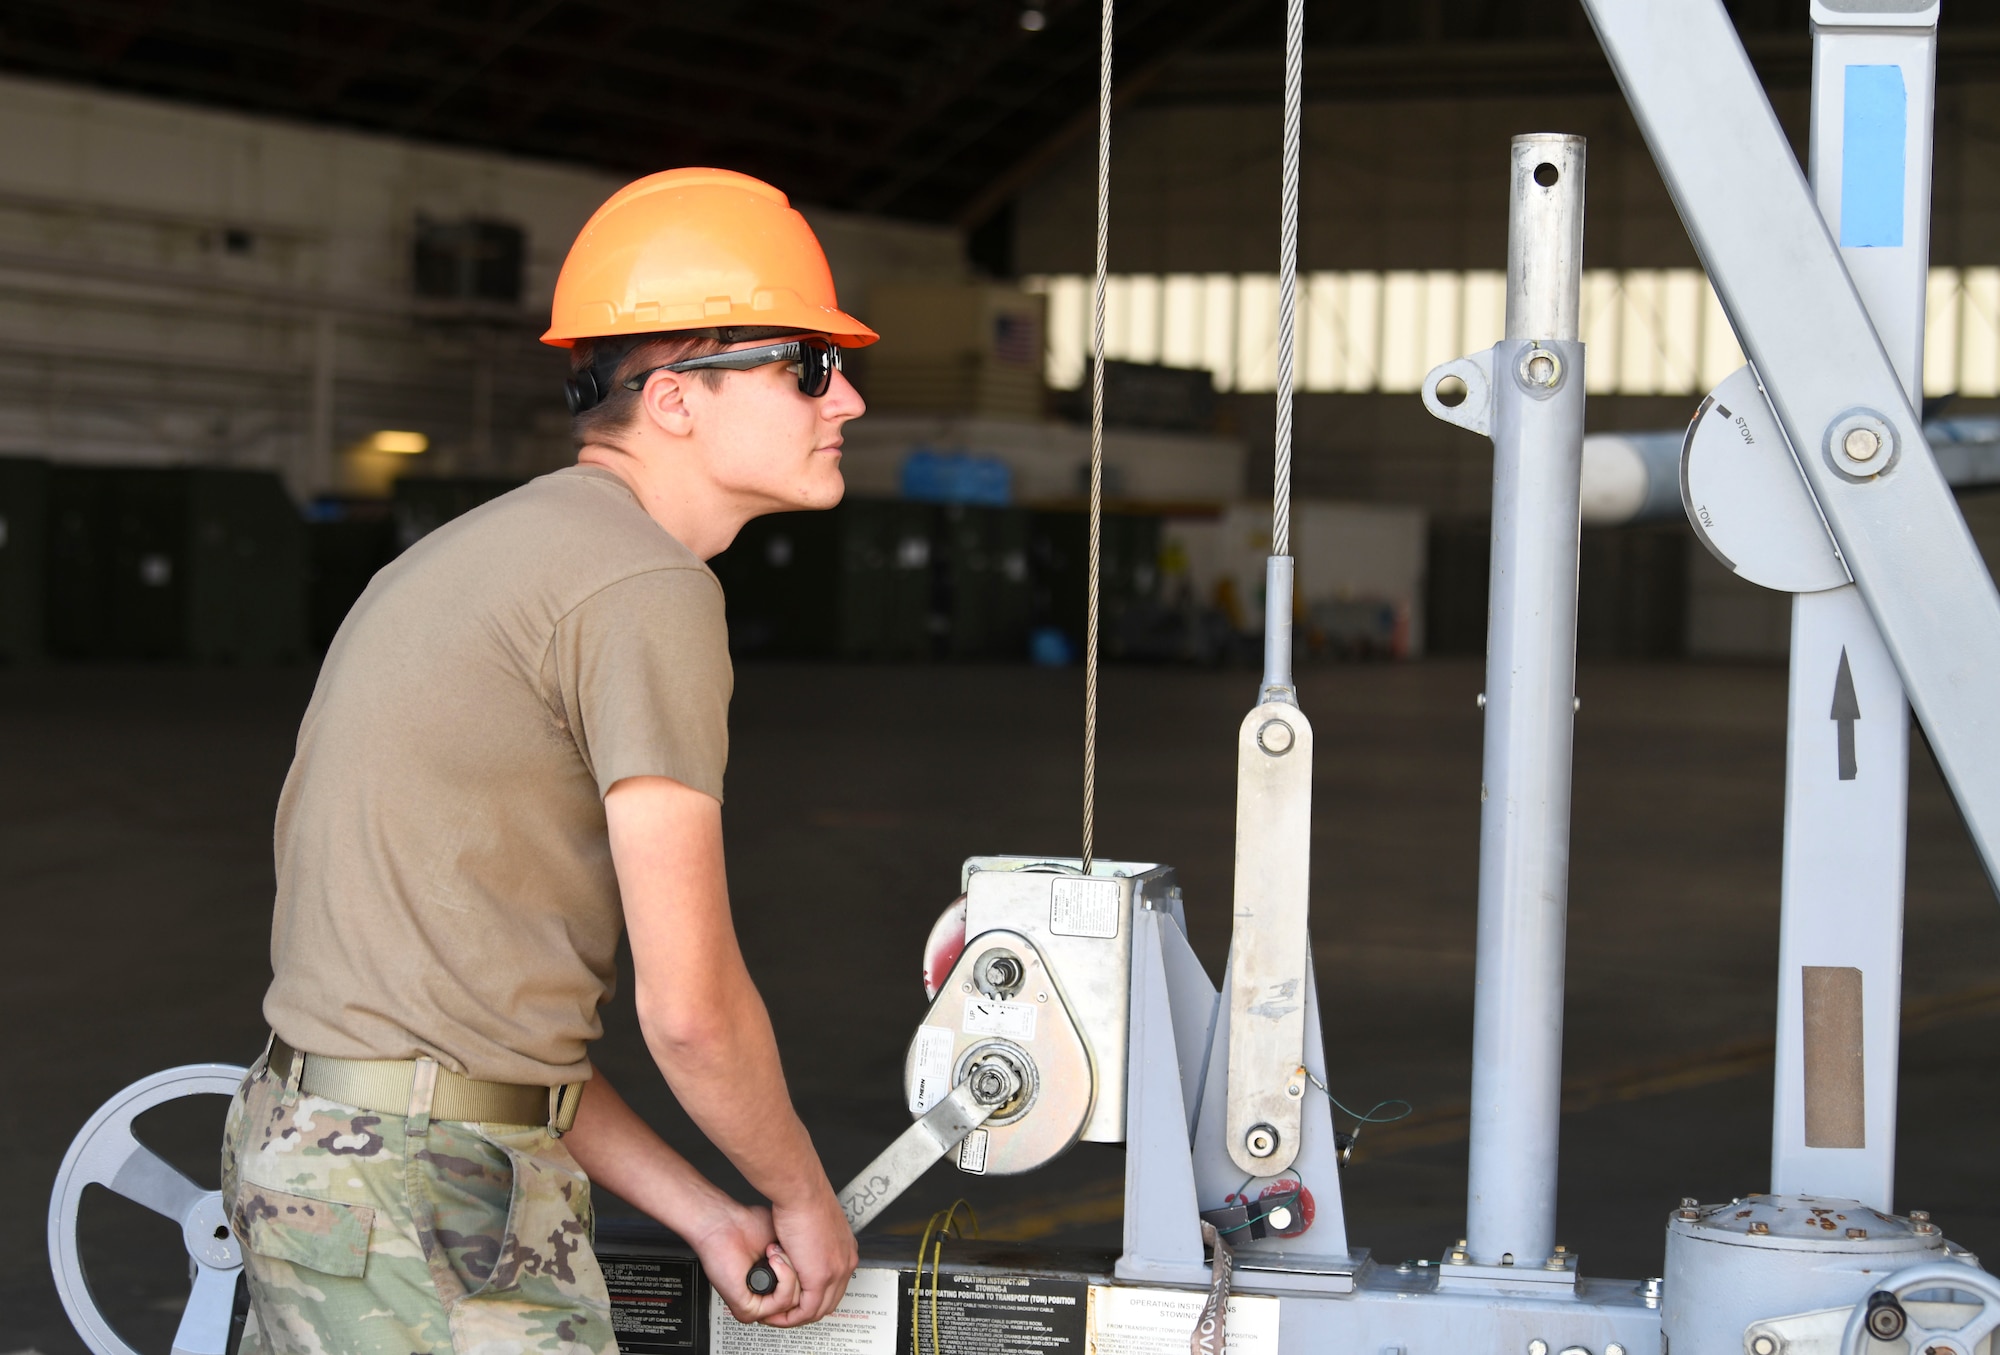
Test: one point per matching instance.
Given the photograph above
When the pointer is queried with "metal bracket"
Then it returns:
(1461, 392)
(1741, 488)
(1268, 955)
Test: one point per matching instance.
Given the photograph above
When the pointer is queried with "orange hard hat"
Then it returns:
(697, 249)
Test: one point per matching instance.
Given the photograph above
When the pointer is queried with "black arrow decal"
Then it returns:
(1846, 710)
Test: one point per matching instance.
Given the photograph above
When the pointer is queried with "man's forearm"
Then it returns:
(726, 1073)
(620, 1152)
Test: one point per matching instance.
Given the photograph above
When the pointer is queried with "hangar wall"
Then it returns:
(185, 285)
(1419, 183)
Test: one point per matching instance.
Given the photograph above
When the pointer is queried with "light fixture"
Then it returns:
(398, 442)
(1034, 20)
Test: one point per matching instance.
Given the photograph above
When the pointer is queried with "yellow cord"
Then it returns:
(942, 1222)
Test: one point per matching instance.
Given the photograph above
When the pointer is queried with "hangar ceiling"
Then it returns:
(935, 110)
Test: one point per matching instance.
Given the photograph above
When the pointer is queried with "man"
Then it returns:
(516, 745)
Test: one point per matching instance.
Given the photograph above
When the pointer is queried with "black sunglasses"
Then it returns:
(815, 359)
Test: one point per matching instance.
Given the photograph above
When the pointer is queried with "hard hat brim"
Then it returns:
(837, 325)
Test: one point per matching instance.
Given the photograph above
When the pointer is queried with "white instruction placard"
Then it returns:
(997, 1016)
(930, 1063)
(863, 1324)
(1083, 907)
(1128, 1321)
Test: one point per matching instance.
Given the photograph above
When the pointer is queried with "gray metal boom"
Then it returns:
(1754, 223)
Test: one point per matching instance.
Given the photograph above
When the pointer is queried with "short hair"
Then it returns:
(617, 358)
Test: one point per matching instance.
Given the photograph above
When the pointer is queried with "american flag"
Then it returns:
(1017, 339)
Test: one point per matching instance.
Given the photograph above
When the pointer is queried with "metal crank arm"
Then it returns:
(1858, 444)
(917, 1148)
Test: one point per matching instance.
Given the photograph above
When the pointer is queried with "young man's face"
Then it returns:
(766, 441)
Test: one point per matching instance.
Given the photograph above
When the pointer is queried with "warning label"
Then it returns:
(930, 1067)
(996, 1314)
(864, 1324)
(997, 1016)
(655, 1302)
(1161, 1322)
(1084, 908)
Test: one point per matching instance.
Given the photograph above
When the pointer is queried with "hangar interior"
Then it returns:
(271, 284)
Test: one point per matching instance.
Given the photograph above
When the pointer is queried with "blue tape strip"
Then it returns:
(1874, 129)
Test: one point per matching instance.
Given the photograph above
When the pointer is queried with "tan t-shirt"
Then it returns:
(444, 880)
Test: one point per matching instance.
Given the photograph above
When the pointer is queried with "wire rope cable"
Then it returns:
(1097, 429)
(1288, 277)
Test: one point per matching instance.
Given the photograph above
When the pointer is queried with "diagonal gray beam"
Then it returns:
(1753, 221)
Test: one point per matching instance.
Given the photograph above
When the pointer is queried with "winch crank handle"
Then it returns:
(899, 1165)
(761, 1280)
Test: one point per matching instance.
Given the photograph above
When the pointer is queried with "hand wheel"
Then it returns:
(1882, 1316)
(105, 1153)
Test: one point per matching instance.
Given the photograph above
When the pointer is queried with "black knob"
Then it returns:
(1886, 1318)
(763, 1280)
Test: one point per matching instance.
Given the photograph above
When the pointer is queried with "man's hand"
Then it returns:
(818, 1248)
(740, 1236)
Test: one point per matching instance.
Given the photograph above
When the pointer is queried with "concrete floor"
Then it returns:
(134, 842)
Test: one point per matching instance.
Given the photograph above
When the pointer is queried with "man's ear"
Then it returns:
(663, 401)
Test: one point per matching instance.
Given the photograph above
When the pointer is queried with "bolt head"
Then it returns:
(1862, 444)
(1540, 368)
(1920, 1216)
(1276, 737)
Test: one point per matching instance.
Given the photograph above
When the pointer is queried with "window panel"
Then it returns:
(1485, 311)
(1720, 353)
(1181, 320)
(1218, 344)
(1361, 332)
(1257, 332)
(1680, 331)
(1648, 331)
(1600, 330)
(1402, 363)
(1979, 333)
(1942, 300)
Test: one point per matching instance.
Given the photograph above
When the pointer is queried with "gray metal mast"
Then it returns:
(1537, 429)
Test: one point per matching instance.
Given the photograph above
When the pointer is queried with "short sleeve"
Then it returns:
(643, 671)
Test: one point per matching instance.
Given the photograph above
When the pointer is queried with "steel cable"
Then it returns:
(1097, 428)
(1288, 277)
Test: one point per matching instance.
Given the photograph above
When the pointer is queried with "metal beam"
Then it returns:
(1753, 220)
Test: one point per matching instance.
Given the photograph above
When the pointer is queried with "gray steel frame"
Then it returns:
(1778, 271)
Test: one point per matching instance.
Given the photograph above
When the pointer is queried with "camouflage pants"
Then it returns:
(367, 1234)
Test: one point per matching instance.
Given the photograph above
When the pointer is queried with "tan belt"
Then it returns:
(383, 1085)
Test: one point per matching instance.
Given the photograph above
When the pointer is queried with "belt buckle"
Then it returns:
(563, 1101)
